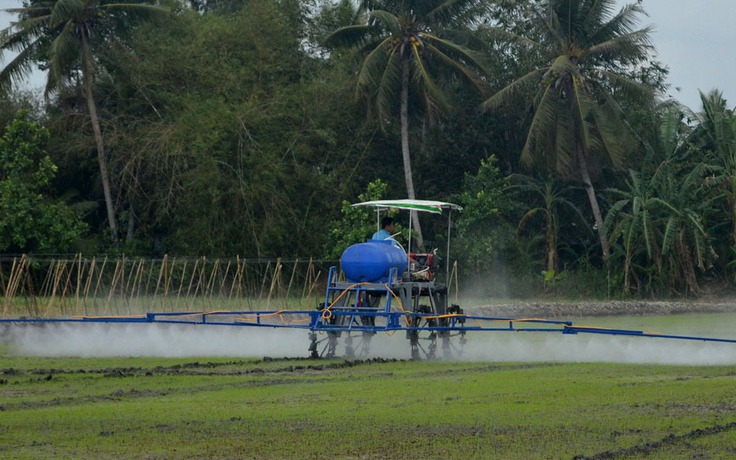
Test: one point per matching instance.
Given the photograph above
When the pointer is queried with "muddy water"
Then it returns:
(721, 325)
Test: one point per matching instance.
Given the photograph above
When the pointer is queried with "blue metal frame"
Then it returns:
(394, 321)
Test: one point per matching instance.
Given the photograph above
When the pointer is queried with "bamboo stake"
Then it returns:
(16, 273)
(250, 287)
(46, 283)
(171, 279)
(3, 286)
(224, 279)
(234, 284)
(161, 275)
(202, 284)
(129, 286)
(55, 286)
(314, 284)
(8, 291)
(20, 277)
(211, 282)
(308, 281)
(117, 275)
(181, 283)
(137, 281)
(63, 301)
(191, 280)
(306, 278)
(148, 278)
(32, 304)
(88, 285)
(99, 281)
(291, 280)
(123, 287)
(51, 287)
(274, 281)
(168, 276)
(79, 281)
(263, 284)
(238, 282)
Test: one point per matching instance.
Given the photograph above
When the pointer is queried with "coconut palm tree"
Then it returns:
(66, 36)
(406, 49)
(576, 123)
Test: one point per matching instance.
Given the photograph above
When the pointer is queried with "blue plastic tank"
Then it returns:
(372, 261)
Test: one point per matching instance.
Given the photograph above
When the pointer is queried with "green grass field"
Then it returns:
(225, 408)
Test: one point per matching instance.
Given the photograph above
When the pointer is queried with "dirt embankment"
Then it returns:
(603, 308)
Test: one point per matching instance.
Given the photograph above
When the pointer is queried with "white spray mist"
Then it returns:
(156, 340)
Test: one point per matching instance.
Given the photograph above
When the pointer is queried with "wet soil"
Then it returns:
(554, 309)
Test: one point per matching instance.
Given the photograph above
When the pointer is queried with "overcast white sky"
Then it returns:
(696, 39)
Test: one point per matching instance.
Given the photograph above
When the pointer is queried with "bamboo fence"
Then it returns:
(50, 287)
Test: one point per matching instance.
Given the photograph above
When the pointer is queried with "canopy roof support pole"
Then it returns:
(410, 216)
(447, 269)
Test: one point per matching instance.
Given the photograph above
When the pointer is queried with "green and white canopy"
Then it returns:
(435, 207)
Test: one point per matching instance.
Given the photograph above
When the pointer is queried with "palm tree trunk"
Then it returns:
(405, 148)
(585, 176)
(95, 120)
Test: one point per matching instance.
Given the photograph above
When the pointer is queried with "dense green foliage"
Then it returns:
(233, 128)
(29, 219)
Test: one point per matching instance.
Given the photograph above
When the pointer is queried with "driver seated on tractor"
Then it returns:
(386, 232)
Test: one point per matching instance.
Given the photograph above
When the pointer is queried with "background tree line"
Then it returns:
(219, 127)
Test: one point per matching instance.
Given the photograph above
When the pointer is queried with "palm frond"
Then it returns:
(543, 119)
(138, 11)
(456, 11)
(630, 48)
(389, 85)
(387, 21)
(582, 107)
(17, 69)
(612, 134)
(594, 12)
(22, 38)
(436, 48)
(498, 34)
(66, 10)
(530, 80)
(550, 23)
(64, 54)
(353, 35)
(621, 24)
(372, 69)
(423, 78)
